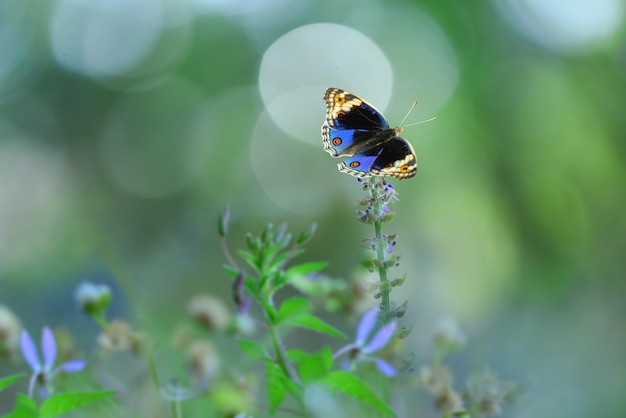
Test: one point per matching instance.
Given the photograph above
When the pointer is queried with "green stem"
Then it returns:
(285, 365)
(281, 357)
(176, 411)
(100, 319)
(380, 253)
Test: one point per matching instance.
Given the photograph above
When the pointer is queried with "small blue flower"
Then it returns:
(43, 372)
(361, 350)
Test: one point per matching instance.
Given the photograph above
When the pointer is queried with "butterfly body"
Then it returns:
(356, 129)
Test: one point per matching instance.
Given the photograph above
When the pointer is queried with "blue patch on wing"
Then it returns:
(365, 162)
(339, 140)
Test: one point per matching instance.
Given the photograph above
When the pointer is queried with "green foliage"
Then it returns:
(313, 323)
(25, 407)
(65, 402)
(5, 382)
(313, 367)
(276, 385)
(352, 386)
(253, 350)
(55, 405)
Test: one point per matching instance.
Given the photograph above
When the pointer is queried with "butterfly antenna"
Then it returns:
(422, 121)
(408, 113)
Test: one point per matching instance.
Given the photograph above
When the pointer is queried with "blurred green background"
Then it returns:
(126, 127)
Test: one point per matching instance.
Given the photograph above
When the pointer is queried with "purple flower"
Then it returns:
(361, 350)
(43, 372)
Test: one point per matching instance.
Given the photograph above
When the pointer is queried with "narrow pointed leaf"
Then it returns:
(281, 280)
(25, 407)
(307, 268)
(253, 349)
(276, 389)
(292, 308)
(315, 366)
(315, 324)
(65, 402)
(352, 386)
(250, 259)
(5, 382)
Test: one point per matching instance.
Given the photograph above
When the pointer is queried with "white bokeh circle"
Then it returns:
(566, 25)
(296, 176)
(156, 142)
(301, 64)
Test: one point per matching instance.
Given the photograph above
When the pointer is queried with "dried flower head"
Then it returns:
(487, 393)
(448, 401)
(10, 329)
(209, 311)
(435, 379)
(202, 360)
(119, 336)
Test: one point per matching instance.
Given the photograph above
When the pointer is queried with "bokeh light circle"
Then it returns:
(33, 180)
(564, 25)
(155, 142)
(120, 43)
(301, 64)
(296, 176)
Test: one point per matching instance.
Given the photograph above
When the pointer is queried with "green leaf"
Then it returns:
(275, 263)
(253, 349)
(65, 402)
(250, 259)
(296, 391)
(270, 311)
(298, 272)
(5, 382)
(281, 280)
(293, 307)
(295, 355)
(231, 270)
(266, 282)
(276, 389)
(307, 268)
(25, 407)
(315, 324)
(306, 235)
(345, 382)
(315, 366)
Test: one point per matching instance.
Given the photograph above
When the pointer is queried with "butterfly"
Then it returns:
(356, 129)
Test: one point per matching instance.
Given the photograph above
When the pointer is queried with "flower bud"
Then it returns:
(209, 311)
(223, 222)
(93, 299)
(119, 336)
(202, 360)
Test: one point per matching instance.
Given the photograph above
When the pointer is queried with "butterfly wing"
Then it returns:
(351, 123)
(395, 158)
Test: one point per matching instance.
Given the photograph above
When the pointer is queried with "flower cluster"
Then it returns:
(375, 209)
